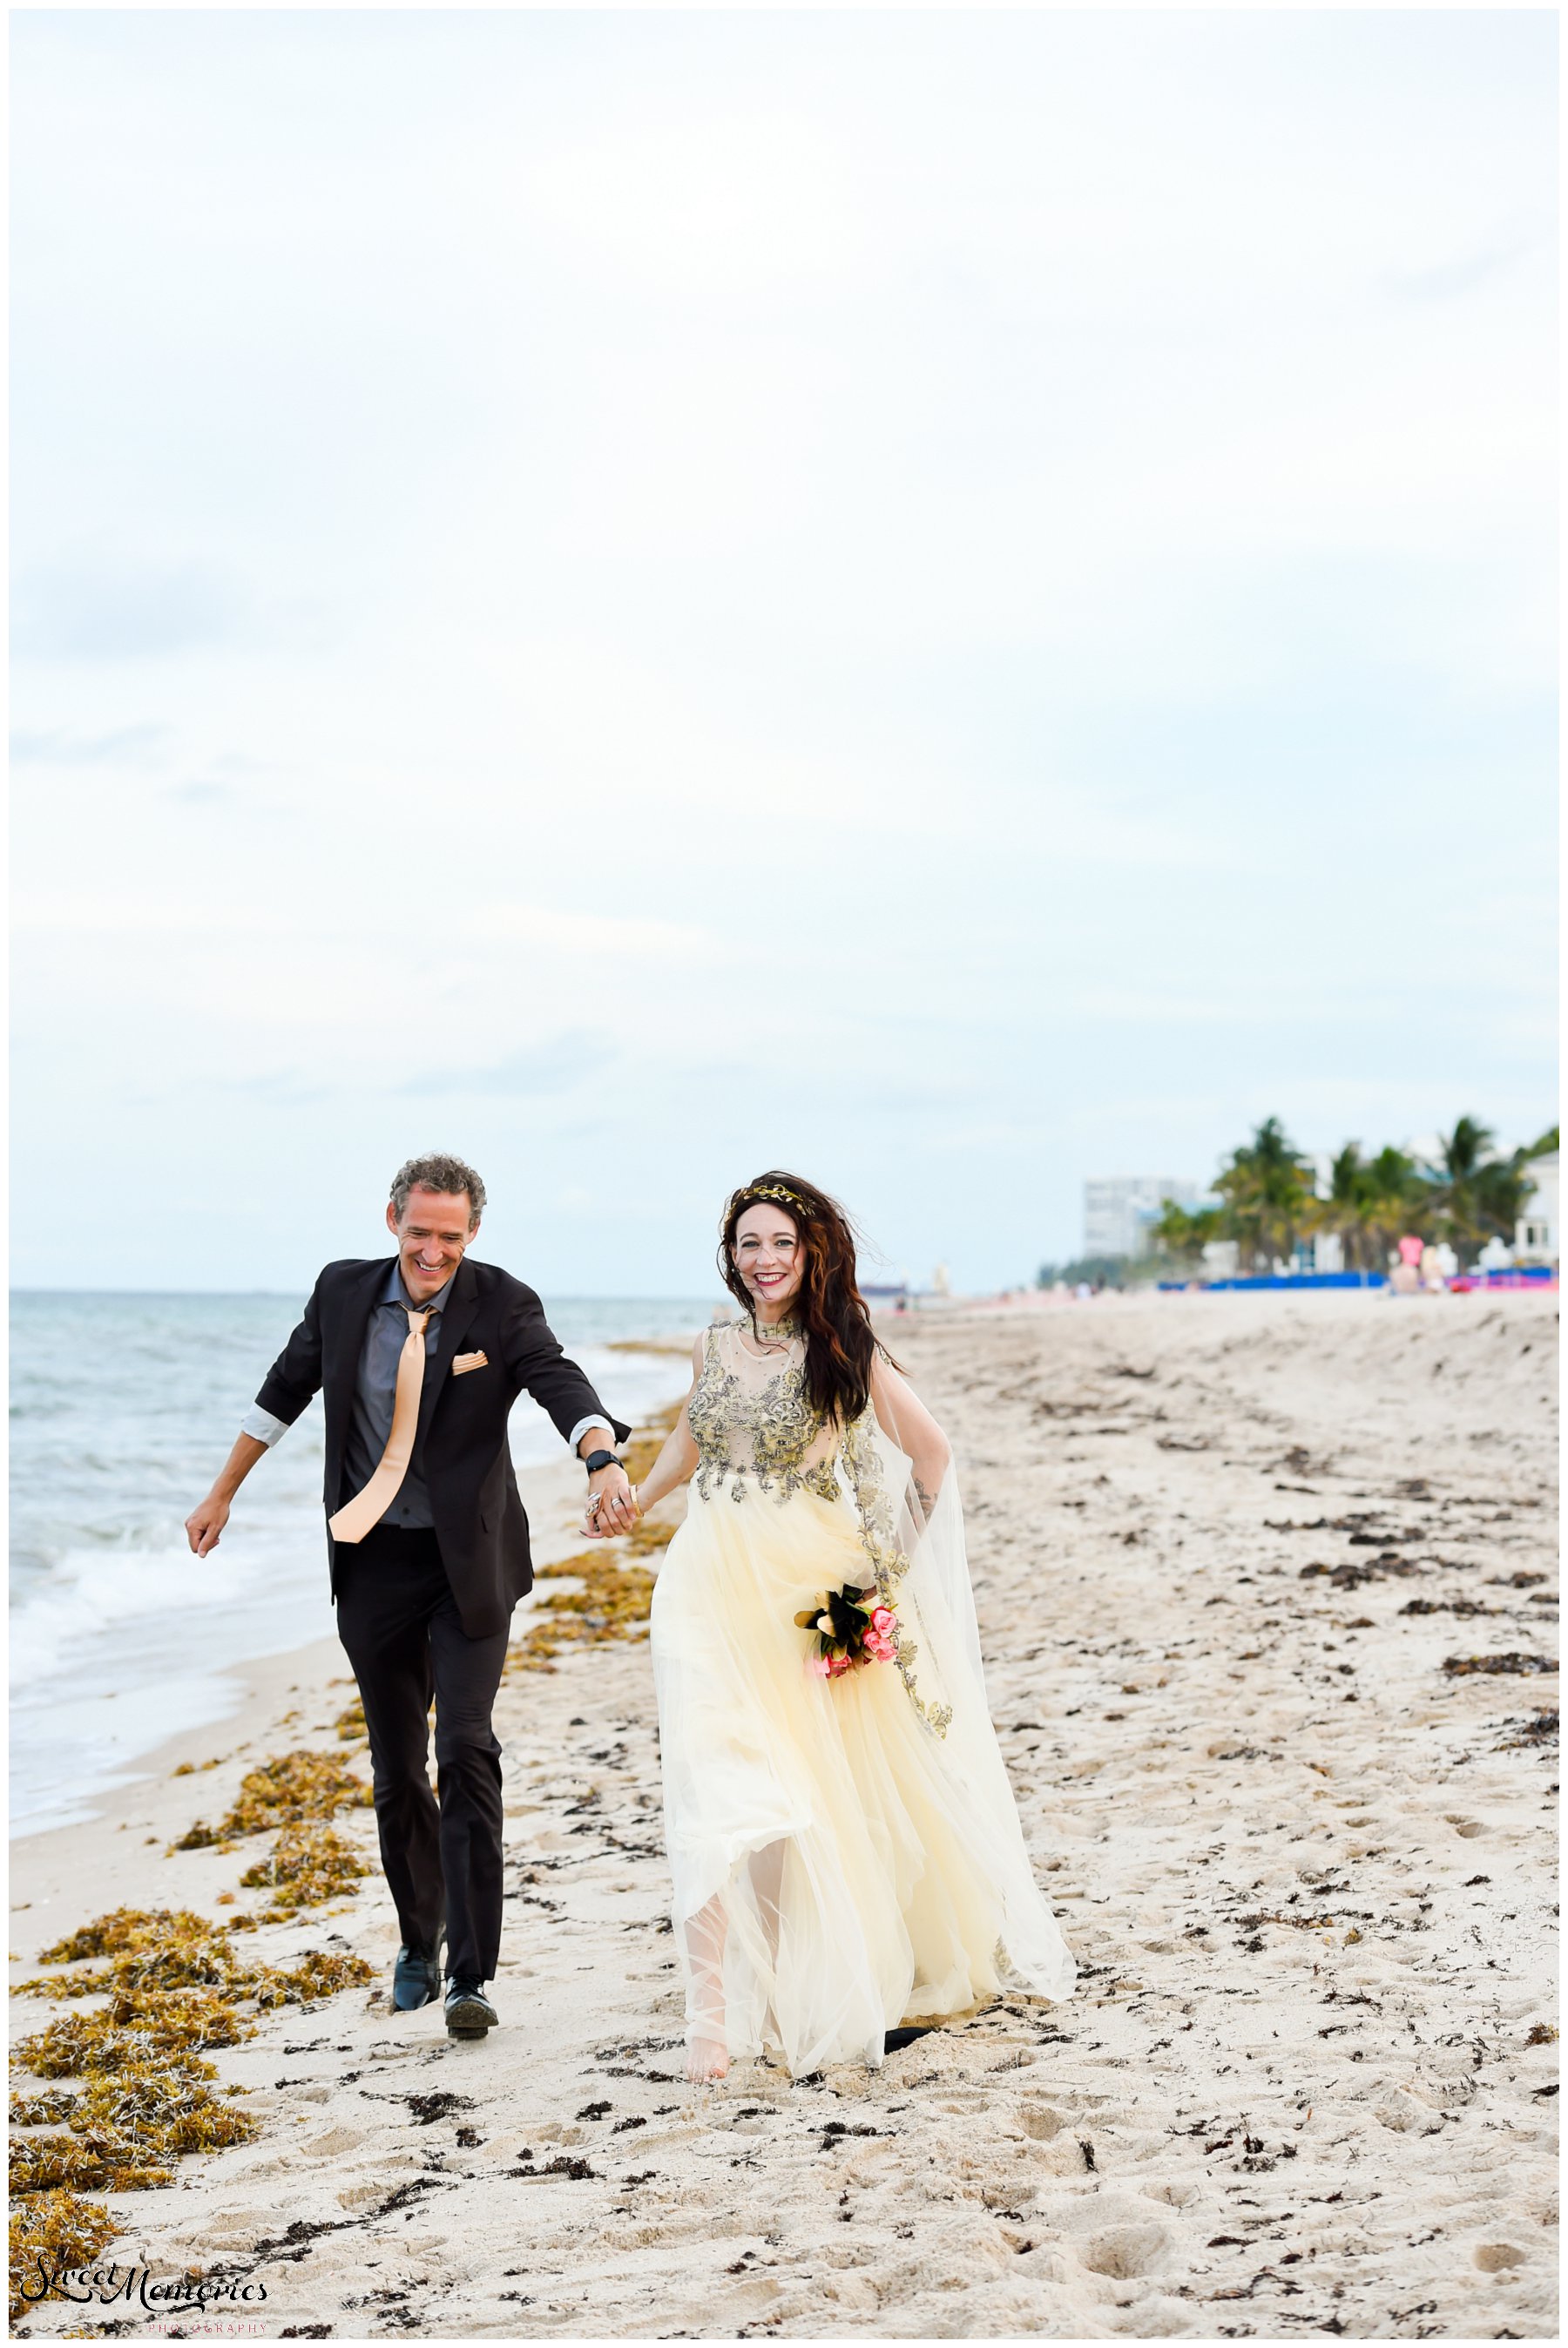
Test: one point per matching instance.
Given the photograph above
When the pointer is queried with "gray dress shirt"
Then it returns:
(376, 1390)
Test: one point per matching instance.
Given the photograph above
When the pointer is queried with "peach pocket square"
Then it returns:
(461, 1361)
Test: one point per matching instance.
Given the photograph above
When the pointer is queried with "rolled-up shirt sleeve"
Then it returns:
(261, 1425)
(581, 1428)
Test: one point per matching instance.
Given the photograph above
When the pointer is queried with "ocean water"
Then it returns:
(123, 1408)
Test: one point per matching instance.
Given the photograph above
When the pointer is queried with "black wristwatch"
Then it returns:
(598, 1459)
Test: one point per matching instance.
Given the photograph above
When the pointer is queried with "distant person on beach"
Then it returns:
(845, 1849)
(420, 1356)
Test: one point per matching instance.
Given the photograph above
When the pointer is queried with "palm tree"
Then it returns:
(1475, 1192)
(1268, 1189)
(1184, 1233)
(1394, 1200)
(1501, 1191)
(1342, 1211)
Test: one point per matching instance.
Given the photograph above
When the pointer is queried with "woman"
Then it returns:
(845, 1849)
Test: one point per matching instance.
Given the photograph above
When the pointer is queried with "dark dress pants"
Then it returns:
(398, 1620)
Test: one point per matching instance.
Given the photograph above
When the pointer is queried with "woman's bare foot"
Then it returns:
(707, 2052)
(706, 2057)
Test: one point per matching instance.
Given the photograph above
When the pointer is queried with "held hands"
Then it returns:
(611, 1505)
(205, 1523)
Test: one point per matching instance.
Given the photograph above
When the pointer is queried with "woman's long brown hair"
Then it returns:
(839, 1344)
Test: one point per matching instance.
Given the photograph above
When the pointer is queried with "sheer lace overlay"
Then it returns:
(750, 1418)
(845, 1854)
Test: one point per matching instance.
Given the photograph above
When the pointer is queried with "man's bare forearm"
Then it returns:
(204, 1525)
(237, 1466)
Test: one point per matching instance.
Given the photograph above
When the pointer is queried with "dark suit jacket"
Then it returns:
(464, 1457)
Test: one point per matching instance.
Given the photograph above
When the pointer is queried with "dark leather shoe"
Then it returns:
(417, 1978)
(469, 2012)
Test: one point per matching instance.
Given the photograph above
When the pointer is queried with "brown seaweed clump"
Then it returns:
(122, 2132)
(612, 1603)
(174, 1984)
(148, 1948)
(1539, 1730)
(615, 1594)
(1514, 1664)
(349, 1723)
(317, 1975)
(122, 1930)
(647, 1541)
(52, 2231)
(648, 1441)
(156, 1951)
(283, 1791)
(98, 2162)
(307, 1865)
(296, 1792)
(134, 2030)
(53, 2108)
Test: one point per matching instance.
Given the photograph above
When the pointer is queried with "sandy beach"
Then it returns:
(1224, 1548)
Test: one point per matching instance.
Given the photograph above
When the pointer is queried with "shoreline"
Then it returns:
(1221, 1561)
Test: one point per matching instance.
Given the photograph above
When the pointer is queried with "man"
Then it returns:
(420, 1357)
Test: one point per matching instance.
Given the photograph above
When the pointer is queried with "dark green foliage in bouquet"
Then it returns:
(852, 1627)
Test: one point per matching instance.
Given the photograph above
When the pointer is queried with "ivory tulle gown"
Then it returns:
(847, 1854)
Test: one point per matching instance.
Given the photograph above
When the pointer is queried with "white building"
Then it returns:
(1119, 1209)
(1535, 1233)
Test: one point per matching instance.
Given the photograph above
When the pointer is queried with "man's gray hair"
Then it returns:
(438, 1172)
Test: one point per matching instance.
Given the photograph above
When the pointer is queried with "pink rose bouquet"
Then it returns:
(849, 1632)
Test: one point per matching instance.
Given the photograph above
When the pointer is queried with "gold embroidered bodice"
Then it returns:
(751, 1421)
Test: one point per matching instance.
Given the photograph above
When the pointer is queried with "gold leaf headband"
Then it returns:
(770, 1190)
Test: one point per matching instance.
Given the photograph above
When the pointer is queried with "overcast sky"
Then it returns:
(952, 601)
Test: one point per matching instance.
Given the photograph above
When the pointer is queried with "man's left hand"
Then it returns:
(617, 1510)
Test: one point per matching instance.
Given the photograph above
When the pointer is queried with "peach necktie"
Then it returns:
(355, 1518)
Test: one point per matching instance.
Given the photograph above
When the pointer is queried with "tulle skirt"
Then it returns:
(837, 1872)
